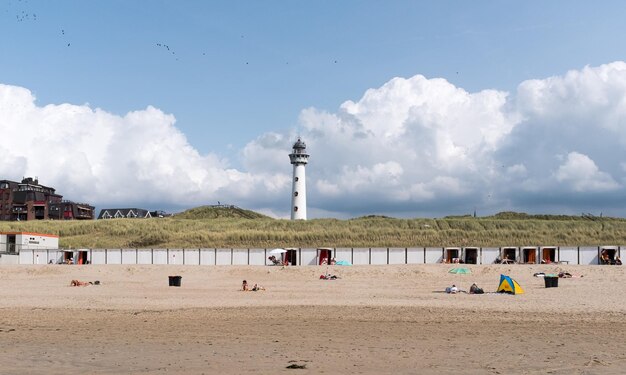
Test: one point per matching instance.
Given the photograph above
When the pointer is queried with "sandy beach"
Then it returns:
(373, 319)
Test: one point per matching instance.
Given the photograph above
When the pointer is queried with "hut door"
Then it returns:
(548, 256)
(452, 255)
(292, 259)
(530, 256)
(471, 256)
(324, 257)
(508, 254)
(11, 243)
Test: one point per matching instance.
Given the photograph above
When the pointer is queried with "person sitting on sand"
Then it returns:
(244, 286)
(618, 261)
(474, 289)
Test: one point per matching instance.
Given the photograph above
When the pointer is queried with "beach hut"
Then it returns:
(607, 254)
(548, 254)
(508, 254)
(452, 254)
(470, 255)
(290, 257)
(529, 254)
(325, 255)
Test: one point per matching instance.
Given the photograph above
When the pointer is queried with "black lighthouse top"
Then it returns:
(299, 155)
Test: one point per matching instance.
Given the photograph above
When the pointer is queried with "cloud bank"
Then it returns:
(412, 147)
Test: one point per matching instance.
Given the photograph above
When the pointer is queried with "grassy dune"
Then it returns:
(226, 227)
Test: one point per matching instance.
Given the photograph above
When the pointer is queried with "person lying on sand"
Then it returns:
(567, 275)
(328, 277)
(257, 287)
(452, 290)
(83, 283)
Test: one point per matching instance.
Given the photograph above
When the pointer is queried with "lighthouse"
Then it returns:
(298, 158)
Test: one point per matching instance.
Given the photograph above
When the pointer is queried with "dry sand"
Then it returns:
(374, 319)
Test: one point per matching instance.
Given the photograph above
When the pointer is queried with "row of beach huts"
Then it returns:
(35, 248)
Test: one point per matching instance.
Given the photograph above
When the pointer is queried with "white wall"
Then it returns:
(361, 255)
(223, 257)
(588, 254)
(378, 255)
(240, 256)
(308, 257)
(397, 255)
(114, 256)
(9, 259)
(191, 256)
(144, 256)
(207, 257)
(343, 253)
(488, 255)
(257, 257)
(129, 256)
(159, 256)
(415, 255)
(55, 256)
(40, 256)
(26, 256)
(175, 257)
(434, 254)
(568, 254)
(98, 256)
(34, 241)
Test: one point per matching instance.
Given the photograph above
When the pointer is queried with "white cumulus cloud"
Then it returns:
(137, 159)
(414, 146)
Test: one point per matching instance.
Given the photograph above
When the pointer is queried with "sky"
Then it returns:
(407, 108)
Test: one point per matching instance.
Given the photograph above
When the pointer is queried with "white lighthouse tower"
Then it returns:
(298, 158)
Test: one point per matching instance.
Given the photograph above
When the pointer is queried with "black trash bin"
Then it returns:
(551, 281)
(175, 280)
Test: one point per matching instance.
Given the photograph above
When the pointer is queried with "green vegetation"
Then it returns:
(227, 227)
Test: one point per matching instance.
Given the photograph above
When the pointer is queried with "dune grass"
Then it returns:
(219, 230)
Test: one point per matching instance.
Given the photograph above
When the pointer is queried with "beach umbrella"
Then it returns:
(277, 251)
(460, 270)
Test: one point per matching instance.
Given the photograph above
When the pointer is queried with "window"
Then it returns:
(295, 194)
(295, 208)
(296, 179)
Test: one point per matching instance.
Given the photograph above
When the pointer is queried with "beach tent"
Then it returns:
(343, 263)
(508, 285)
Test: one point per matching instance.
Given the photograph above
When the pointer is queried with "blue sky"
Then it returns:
(235, 81)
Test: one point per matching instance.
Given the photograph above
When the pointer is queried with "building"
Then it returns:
(6, 198)
(68, 210)
(29, 200)
(125, 213)
(299, 159)
(27, 247)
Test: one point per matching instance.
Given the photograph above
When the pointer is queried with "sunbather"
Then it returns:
(452, 290)
(474, 289)
(257, 287)
(244, 286)
(80, 283)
